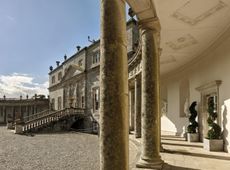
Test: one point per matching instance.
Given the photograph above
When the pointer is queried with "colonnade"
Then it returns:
(17, 111)
(114, 116)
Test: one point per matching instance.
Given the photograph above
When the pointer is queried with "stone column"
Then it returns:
(150, 153)
(27, 112)
(114, 148)
(137, 107)
(4, 113)
(131, 110)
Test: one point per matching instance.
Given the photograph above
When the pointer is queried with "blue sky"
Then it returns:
(34, 34)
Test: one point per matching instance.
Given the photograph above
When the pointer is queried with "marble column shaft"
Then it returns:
(114, 87)
(137, 104)
(131, 109)
(150, 153)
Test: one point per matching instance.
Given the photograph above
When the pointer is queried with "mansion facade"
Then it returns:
(75, 82)
(194, 66)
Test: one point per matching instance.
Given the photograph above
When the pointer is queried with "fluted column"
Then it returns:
(137, 107)
(114, 87)
(150, 153)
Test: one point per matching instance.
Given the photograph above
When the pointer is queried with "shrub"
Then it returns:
(215, 130)
(192, 127)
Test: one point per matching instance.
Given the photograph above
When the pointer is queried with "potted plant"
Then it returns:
(192, 134)
(213, 141)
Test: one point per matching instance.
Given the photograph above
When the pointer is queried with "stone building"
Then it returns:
(180, 55)
(13, 108)
(75, 81)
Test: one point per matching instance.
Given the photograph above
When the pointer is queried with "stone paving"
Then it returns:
(79, 151)
(180, 155)
(58, 151)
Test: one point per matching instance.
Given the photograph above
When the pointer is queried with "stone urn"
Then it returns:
(193, 137)
(213, 144)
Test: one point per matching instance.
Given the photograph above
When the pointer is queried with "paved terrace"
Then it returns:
(78, 151)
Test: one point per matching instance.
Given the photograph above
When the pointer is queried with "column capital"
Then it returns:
(150, 24)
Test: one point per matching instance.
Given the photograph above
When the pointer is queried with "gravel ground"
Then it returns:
(64, 151)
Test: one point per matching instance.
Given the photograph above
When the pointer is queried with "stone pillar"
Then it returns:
(150, 153)
(131, 110)
(4, 113)
(27, 112)
(18, 126)
(114, 148)
(137, 107)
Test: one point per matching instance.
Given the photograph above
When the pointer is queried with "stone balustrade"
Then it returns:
(44, 118)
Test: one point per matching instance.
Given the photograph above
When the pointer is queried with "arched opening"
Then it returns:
(78, 124)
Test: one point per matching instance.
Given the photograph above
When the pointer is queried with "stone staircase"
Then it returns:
(45, 119)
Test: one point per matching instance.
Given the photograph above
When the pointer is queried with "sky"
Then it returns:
(34, 34)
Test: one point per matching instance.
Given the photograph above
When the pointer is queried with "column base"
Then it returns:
(153, 164)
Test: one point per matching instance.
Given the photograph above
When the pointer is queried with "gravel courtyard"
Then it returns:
(64, 151)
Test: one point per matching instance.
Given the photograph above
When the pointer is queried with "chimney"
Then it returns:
(20, 97)
(57, 62)
(27, 96)
(65, 57)
(78, 48)
(4, 97)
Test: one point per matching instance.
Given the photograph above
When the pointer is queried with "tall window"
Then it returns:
(82, 101)
(53, 79)
(95, 96)
(59, 103)
(96, 57)
(53, 104)
(59, 75)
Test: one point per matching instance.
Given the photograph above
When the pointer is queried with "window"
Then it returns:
(82, 101)
(53, 104)
(80, 62)
(96, 57)
(59, 103)
(95, 96)
(53, 79)
(59, 75)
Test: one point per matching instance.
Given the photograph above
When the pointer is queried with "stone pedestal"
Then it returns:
(192, 137)
(213, 144)
(18, 127)
(114, 122)
(150, 153)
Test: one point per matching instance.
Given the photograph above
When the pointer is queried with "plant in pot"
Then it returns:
(192, 134)
(213, 141)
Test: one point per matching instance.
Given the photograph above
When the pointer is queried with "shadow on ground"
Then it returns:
(196, 154)
(171, 167)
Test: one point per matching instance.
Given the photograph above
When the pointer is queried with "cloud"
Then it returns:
(10, 18)
(14, 85)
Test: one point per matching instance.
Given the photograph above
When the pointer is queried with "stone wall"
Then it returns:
(212, 66)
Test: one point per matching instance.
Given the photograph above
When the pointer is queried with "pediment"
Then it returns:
(72, 71)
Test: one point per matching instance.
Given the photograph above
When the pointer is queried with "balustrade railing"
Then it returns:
(44, 118)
